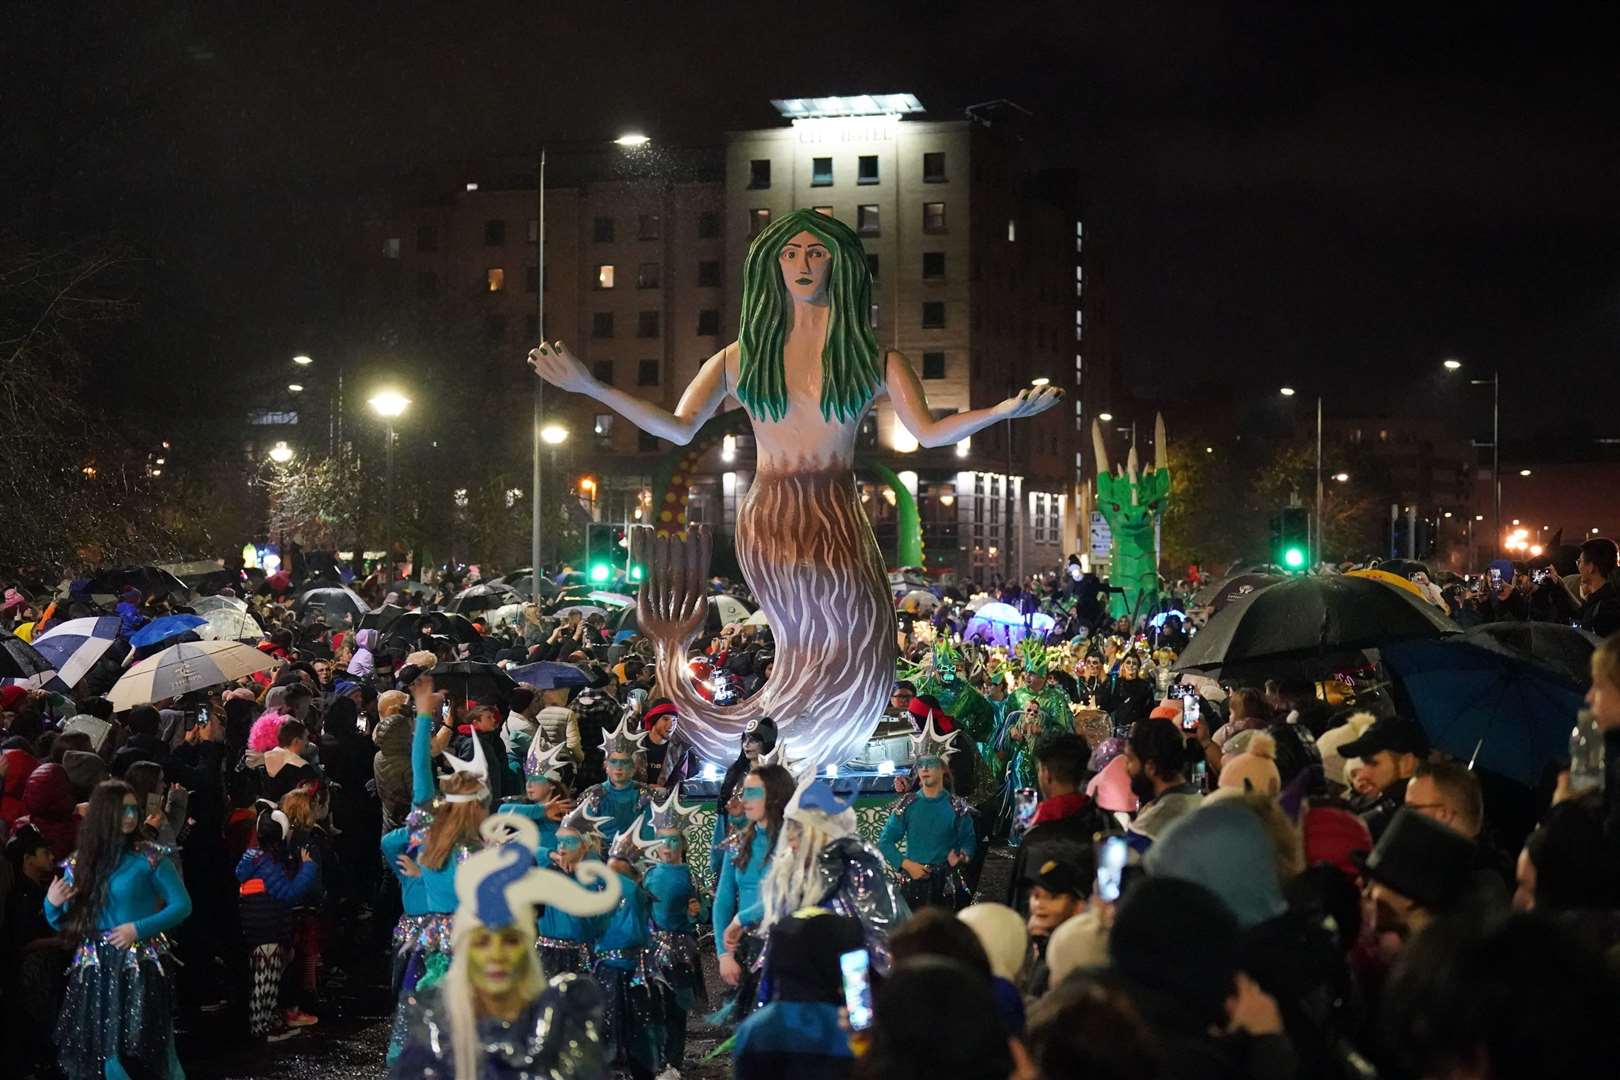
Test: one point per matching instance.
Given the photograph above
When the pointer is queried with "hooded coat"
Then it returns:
(49, 798)
(20, 764)
(364, 661)
(392, 767)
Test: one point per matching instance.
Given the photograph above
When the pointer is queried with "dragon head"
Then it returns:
(1130, 499)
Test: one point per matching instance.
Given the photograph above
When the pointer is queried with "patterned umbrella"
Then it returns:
(191, 665)
(73, 647)
(21, 663)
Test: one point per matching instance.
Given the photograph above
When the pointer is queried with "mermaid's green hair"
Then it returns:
(851, 368)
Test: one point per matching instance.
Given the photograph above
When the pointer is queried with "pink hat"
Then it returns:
(1111, 788)
(14, 599)
(1256, 768)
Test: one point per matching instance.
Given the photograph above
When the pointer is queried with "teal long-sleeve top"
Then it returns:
(625, 927)
(423, 787)
(439, 886)
(724, 826)
(144, 889)
(537, 814)
(737, 895)
(619, 804)
(557, 923)
(412, 891)
(932, 828)
(671, 887)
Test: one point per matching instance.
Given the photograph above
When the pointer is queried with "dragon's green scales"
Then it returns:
(1131, 500)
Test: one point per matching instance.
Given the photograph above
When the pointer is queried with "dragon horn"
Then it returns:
(1131, 468)
(1099, 448)
(1161, 447)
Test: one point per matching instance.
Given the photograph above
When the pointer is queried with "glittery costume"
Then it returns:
(620, 806)
(633, 1021)
(565, 938)
(932, 828)
(972, 711)
(1055, 716)
(120, 1003)
(558, 1037)
(858, 884)
(674, 940)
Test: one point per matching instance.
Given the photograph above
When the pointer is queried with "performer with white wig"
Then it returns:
(495, 1014)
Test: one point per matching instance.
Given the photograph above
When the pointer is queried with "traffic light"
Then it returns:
(607, 551)
(1290, 539)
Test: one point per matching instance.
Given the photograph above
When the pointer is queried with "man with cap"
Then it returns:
(936, 828)
(1058, 890)
(1390, 753)
(667, 757)
(1065, 822)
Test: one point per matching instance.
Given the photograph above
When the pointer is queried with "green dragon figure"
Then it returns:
(1132, 501)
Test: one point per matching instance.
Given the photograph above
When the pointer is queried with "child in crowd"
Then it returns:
(271, 881)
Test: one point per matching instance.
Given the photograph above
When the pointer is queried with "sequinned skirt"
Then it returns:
(633, 1022)
(120, 1003)
(676, 964)
(421, 948)
(560, 956)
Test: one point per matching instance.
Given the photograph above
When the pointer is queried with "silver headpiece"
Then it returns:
(622, 739)
(930, 743)
(670, 814)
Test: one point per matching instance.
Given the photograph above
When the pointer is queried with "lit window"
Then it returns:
(933, 217)
(391, 248)
(1012, 231)
(602, 324)
(647, 324)
(604, 276)
(933, 264)
(825, 211)
(647, 276)
(933, 315)
(648, 227)
(821, 172)
(494, 233)
(495, 279)
(708, 324)
(933, 365)
(934, 168)
(866, 220)
(647, 373)
(868, 171)
(759, 173)
(757, 220)
(602, 230)
(709, 272)
(874, 316)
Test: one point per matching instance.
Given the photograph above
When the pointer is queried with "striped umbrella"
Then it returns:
(74, 647)
(191, 665)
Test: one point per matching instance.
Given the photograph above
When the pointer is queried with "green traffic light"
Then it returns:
(1294, 558)
(635, 573)
(599, 572)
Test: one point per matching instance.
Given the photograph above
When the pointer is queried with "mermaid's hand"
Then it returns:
(1029, 402)
(674, 599)
(553, 362)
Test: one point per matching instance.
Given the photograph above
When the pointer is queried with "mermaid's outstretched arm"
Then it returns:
(554, 363)
(911, 406)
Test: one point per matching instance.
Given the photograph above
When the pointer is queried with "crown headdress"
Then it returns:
(670, 814)
(930, 743)
(582, 821)
(629, 845)
(622, 739)
(1032, 653)
(544, 761)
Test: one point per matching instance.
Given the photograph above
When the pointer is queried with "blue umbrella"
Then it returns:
(1505, 714)
(160, 630)
(549, 675)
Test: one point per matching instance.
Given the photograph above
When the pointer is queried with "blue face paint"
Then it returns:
(129, 810)
(753, 794)
(929, 763)
(569, 843)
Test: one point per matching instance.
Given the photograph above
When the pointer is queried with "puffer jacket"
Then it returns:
(20, 764)
(363, 662)
(392, 767)
(48, 795)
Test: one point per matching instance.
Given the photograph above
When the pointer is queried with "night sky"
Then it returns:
(1333, 199)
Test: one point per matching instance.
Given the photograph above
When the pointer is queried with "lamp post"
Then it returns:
(1316, 533)
(628, 141)
(390, 405)
(1495, 383)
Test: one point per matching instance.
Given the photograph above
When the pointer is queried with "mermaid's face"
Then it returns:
(497, 958)
(805, 263)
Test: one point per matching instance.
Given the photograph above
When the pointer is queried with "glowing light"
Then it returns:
(1286, 391)
(885, 768)
(1535, 549)
(1209, 449)
(587, 484)
(389, 403)
(1448, 513)
(711, 771)
(962, 447)
(950, 500)
(1479, 517)
(302, 361)
(832, 772)
(1042, 381)
(281, 453)
(160, 461)
(1105, 417)
(852, 105)
(472, 185)
(728, 448)
(1452, 365)
(295, 387)
(1294, 558)
(1524, 472)
(632, 140)
(554, 434)
(904, 441)
(1342, 477)
(90, 474)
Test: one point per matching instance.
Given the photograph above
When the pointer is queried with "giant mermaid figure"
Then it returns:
(807, 367)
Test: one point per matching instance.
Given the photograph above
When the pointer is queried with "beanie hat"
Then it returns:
(1227, 850)
(84, 769)
(1333, 763)
(1001, 931)
(13, 599)
(1255, 768)
(1332, 835)
(1080, 942)
(1177, 938)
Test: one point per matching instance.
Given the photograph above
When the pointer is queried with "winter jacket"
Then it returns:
(364, 663)
(140, 748)
(283, 771)
(48, 797)
(20, 764)
(130, 617)
(1063, 829)
(267, 892)
(392, 768)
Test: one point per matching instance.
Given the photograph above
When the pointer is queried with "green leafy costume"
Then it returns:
(1055, 715)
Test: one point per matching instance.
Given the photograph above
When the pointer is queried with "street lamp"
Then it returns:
(1524, 472)
(1105, 417)
(1495, 382)
(295, 387)
(302, 360)
(390, 405)
(1451, 365)
(1286, 391)
(630, 140)
(1042, 381)
(1342, 477)
(281, 453)
(554, 434)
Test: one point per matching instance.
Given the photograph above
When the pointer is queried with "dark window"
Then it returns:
(427, 284)
(866, 220)
(933, 217)
(534, 230)
(427, 238)
(602, 371)
(391, 248)
(648, 227)
(759, 173)
(868, 171)
(647, 373)
(495, 328)
(602, 324)
(531, 328)
(933, 365)
(494, 233)
(708, 271)
(531, 279)
(933, 315)
(757, 220)
(821, 172)
(647, 444)
(934, 168)
(708, 322)
(933, 264)
(647, 324)
(602, 230)
(872, 264)
(708, 225)
(647, 276)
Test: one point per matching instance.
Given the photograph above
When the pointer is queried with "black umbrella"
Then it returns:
(1563, 649)
(483, 598)
(20, 660)
(470, 680)
(1404, 568)
(381, 619)
(334, 602)
(1322, 622)
(149, 580)
(443, 624)
(1238, 587)
(522, 582)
